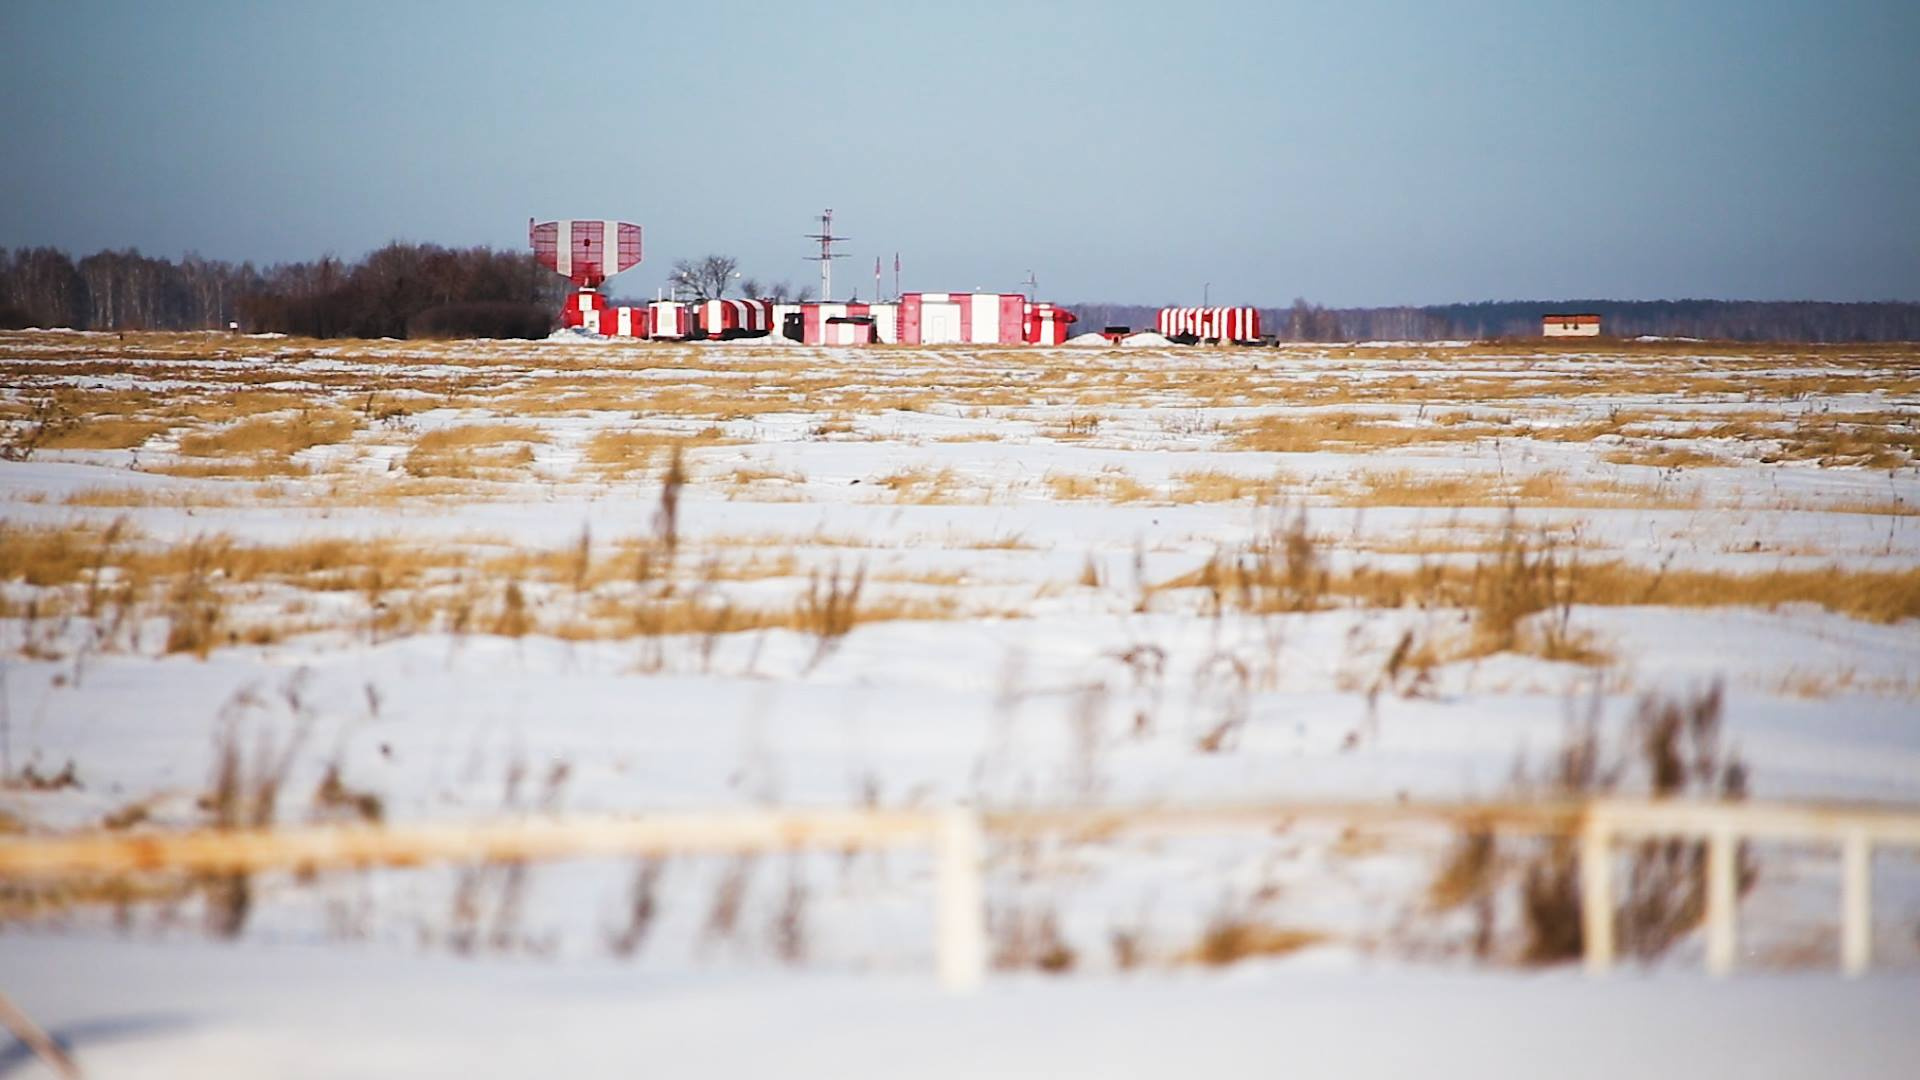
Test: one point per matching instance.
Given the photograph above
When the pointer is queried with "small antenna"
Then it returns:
(1033, 288)
(827, 254)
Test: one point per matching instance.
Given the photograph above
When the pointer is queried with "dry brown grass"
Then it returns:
(1874, 441)
(619, 452)
(747, 475)
(273, 436)
(1544, 489)
(477, 436)
(242, 403)
(1230, 940)
(1348, 431)
(1523, 588)
(1825, 683)
(823, 612)
(1661, 456)
(1213, 486)
(264, 468)
(450, 586)
(926, 486)
(1075, 428)
(131, 497)
(1111, 485)
(103, 433)
(474, 450)
(52, 556)
(1408, 488)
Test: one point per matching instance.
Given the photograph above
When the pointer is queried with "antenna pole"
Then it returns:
(827, 254)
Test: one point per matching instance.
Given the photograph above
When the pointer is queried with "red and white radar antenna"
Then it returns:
(584, 252)
(827, 255)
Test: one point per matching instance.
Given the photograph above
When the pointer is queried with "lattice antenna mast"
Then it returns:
(827, 254)
(1033, 288)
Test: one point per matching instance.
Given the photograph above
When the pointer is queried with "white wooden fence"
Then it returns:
(955, 837)
(1854, 831)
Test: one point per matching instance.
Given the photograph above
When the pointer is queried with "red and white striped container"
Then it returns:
(581, 306)
(1047, 324)
(669, 319)
(624, 322)
(748, 316)
(819, 325)
(1211, 323)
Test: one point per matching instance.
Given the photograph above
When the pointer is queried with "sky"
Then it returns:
(1372, 152)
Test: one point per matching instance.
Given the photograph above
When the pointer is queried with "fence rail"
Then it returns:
(955, 838)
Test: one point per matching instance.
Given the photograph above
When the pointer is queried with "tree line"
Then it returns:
(424, 290)
(401, 290)
(1732, 320)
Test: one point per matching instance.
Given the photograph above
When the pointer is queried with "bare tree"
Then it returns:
(783, 293)
(706, 279)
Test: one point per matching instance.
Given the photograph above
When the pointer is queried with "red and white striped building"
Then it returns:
(1211, 323)
(963, 319)
(1570, 326)
(848, 324)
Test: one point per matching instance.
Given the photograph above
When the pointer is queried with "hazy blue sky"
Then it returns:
(1353, 153)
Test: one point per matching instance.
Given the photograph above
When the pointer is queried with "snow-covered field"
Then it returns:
(460, 580)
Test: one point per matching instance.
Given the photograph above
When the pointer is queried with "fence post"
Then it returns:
(961, 947)
(1721, 892)
(1856, 902)
(1596, 892)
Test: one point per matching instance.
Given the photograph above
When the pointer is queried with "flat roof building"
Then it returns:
(1570, 326)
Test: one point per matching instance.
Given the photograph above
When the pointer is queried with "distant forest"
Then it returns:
(401, 290)
(1733, 320)
(423, 290)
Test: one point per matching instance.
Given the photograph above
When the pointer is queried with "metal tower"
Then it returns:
(827, 254)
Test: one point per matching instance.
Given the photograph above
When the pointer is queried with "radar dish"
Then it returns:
(585, 252)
